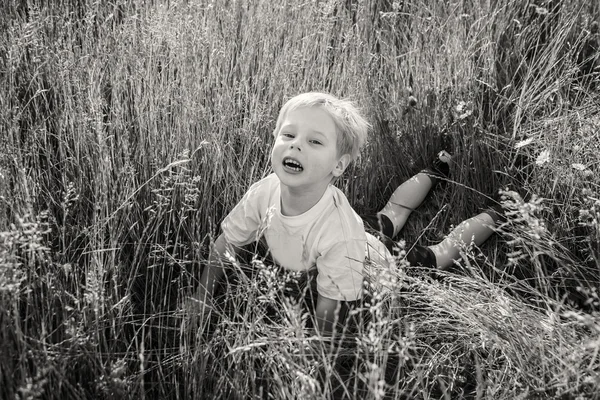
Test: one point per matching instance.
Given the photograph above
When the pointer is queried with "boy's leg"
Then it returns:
(442, 255)
(405, 199)
(408, 196)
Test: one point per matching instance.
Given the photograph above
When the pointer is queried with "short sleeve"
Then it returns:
(340, 271)
(241, 225)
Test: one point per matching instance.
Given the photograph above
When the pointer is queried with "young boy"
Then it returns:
(308, 223)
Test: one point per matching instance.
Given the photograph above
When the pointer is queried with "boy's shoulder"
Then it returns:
(343, 223)
(269, 181)
(263, 188)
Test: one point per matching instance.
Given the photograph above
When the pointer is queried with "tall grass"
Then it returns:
(130, 129)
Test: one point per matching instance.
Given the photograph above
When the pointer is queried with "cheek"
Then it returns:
(274, 150)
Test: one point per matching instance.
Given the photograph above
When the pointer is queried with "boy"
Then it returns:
(308, 223)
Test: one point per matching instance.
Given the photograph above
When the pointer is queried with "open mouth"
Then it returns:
(292, 164)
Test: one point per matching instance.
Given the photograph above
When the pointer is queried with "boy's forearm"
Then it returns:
(328, 312)
(213, 271)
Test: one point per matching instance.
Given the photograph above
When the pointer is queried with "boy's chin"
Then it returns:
(289, 179)
(295, 181)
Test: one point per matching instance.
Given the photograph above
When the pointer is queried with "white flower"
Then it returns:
(523, 143)
(464, 109)
(543, 158)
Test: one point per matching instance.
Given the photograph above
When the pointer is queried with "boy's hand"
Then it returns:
(196, 313)
(196, 309)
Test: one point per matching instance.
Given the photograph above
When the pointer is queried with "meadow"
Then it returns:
(128, 129)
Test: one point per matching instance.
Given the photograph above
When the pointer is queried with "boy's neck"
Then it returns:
(295, 201)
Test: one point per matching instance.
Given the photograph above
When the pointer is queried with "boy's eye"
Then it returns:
(288, 135)
(316, 142)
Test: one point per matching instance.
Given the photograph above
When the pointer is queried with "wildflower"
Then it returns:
(523, 143)
(543, 157)
(464, 110)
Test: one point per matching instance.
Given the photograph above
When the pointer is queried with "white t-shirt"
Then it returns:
(330, 236)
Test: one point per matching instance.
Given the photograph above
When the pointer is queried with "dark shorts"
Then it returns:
(382, 228)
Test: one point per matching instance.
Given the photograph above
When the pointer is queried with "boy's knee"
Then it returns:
(496, 213)
(421, 256)
(380, 223)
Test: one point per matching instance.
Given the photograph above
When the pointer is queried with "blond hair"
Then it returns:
(351, 126)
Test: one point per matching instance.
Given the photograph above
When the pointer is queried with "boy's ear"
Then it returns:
(341, 165)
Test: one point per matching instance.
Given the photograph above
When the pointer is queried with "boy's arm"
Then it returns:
(328, 312)
(214, 269)
(211, 274)
(338, 283)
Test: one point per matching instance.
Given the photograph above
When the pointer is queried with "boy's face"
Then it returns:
(304, 154)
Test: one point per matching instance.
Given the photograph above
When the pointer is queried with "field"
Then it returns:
(128, 130)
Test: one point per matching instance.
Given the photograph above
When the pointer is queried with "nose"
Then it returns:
(295, 144)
